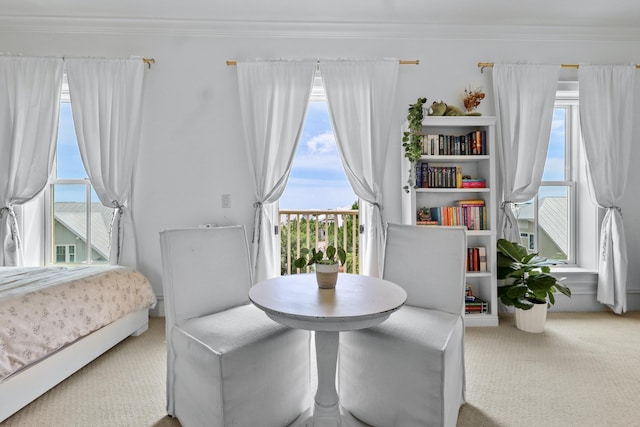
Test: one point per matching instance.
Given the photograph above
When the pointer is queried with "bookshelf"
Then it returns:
(443, 189)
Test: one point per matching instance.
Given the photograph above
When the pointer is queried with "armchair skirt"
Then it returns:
(230, 369)
(414, 359)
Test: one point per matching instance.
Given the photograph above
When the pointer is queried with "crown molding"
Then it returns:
(312, 30)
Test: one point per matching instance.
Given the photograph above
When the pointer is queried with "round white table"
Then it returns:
(357, 302)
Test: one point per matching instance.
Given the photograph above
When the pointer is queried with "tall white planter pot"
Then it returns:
(532, 320)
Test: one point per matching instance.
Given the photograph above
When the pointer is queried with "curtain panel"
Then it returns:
(606, 121)
(361, 95)
(106, 102)
(29, 111)
(524, 97)
(273, 100)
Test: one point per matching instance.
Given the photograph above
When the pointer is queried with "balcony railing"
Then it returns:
(317, 229)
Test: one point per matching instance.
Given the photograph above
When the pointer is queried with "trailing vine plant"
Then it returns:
(412, 139)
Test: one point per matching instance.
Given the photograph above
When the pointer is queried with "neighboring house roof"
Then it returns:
(73, 216)
(552, 219)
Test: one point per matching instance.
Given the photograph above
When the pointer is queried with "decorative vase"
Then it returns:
(532, 320)
(327, 275)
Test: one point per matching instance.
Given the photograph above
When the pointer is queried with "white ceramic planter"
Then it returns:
(327, 275)
(532, 320)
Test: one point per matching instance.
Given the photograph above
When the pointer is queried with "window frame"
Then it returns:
(49, 228)
(585, 217)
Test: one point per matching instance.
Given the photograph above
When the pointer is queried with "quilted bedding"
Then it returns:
(43, 309)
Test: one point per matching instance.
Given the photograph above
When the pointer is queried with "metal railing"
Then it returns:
(317, 229)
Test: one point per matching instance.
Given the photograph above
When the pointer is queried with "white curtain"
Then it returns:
(524, 97)
(273, 100)
(361, 95)
(606, 120)
(106, 101)
(29, 110)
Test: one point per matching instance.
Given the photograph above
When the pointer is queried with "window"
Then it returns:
(78, 225)
(307, 212)
(65, 253)
(528, 240)
(548, 221)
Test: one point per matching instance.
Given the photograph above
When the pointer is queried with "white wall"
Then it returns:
(192, 147)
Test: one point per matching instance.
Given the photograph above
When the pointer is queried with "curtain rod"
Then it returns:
(483, 65)
(401, 62)
(149, 61)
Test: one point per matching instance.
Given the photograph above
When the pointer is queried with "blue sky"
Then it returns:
(68, 146)
(317, 179)
(554, 167)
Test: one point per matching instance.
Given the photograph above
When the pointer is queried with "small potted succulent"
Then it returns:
(326, 263)
(528, 285)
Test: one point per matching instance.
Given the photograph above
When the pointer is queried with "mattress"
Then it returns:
(42, 309)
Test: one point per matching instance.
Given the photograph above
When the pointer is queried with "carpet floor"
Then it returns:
(584, 370)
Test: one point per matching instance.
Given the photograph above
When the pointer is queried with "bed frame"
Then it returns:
(23, 387)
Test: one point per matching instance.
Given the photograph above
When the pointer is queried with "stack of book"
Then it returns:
(473, 304)
(474, 183)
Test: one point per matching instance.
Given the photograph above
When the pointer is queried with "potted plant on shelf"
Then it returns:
(412, 139)
(326, 263)
(528, 285)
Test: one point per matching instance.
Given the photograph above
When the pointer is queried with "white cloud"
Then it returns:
(323, 143)
(319, 155)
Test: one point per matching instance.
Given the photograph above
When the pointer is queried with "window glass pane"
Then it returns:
(101, 217)
(525, 214)
(60, 254)
(69, 162)
(554, 168)
(317, 165)
(553, 222)
(70, 218)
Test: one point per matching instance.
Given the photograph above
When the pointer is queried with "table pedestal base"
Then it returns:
(326, 406)
(326, 410)
(346, 420)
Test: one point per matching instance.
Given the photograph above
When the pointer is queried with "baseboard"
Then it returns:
(158, 310)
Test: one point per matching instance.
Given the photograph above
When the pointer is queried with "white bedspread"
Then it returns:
(44, 308)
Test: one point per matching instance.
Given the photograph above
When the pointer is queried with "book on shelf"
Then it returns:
(438, 176)
(470, 202)
(474, 217)
(473, 183)
(427, 223)
(477, 259)
(470, 144)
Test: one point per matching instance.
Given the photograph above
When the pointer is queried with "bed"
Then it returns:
(55, 320)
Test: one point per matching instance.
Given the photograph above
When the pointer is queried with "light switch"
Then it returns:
(226, 201)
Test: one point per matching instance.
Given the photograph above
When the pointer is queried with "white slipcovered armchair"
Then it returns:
(409, 370)
(228, 364)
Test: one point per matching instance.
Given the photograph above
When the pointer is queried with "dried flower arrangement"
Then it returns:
(472, 98)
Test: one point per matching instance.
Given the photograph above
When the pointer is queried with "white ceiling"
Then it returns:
(622, 14)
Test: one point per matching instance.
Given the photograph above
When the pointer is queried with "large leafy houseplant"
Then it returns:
(527, 278)
(412, 139)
